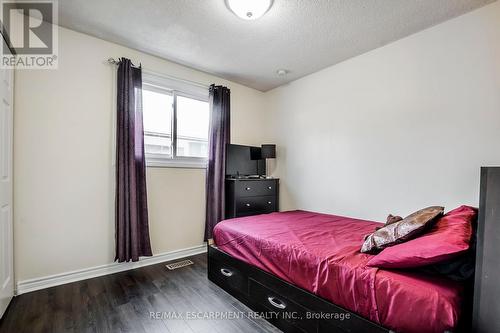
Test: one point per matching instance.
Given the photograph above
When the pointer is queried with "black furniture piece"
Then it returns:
(486, 309)
(246, 196)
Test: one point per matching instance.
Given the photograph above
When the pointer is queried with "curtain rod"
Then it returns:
(113, 61)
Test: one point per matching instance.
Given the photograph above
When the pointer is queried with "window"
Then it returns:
(176, 121)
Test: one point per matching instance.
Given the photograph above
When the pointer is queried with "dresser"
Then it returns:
(245, 197)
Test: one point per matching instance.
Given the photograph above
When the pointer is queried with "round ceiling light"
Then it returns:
(249, 9)
(282, 72)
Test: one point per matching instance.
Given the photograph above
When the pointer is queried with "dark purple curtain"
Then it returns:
(218, 138)
(132, 231)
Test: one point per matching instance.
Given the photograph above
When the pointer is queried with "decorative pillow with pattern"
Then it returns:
(401, 231)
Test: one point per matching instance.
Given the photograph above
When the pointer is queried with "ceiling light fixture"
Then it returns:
(249, 9)
(282, 72)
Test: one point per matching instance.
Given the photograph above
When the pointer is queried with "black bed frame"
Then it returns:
(293, 309)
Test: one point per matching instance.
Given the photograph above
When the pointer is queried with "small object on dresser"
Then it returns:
(268, 151)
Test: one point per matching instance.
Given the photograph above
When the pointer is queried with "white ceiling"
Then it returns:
(301, 36)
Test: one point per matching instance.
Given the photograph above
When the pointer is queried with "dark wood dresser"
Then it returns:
(245, 197)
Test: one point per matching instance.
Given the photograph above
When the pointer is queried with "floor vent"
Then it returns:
(179, 264)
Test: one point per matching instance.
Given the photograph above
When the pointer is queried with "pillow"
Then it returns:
(401, 231)
(390, 220)
(448, 238)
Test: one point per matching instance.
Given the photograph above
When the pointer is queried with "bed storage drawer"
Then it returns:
(284, 310)
(333, 318)
(227, 276)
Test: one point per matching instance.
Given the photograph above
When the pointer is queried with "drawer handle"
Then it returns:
(248, 188)
(277, 303)
(248, 205)
(226, 272)
(270, 187)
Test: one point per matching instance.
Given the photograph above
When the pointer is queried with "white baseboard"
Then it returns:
(27, 286)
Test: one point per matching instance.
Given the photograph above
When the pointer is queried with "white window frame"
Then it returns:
(175, 87)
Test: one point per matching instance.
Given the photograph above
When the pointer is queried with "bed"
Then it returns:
(256, 259)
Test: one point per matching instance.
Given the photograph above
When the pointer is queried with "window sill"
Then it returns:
(186, 163)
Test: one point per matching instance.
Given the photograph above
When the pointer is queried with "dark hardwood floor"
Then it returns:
(123, 302)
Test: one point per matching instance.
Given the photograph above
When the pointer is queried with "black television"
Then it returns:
(244, 161)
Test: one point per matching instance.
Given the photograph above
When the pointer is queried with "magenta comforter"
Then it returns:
(320, 253)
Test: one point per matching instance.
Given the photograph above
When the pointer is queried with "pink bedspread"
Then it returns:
(320, 253)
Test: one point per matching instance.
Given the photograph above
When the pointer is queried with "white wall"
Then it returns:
(396, 129)
(64, 175)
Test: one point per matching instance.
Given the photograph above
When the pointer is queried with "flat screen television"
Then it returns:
(244, 161)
